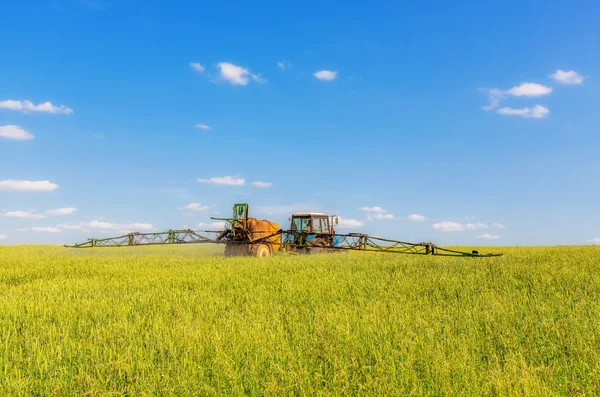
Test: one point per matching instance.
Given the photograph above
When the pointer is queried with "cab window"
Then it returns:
(324, 225)
(317, 225)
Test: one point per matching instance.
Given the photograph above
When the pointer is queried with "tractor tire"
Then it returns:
(261, 250)
(318, 247)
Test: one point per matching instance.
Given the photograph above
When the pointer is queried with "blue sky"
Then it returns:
(454, 123)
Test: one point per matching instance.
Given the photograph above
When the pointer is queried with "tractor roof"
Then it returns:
(309, 213)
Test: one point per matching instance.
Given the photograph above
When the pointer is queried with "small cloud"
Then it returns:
(284, 65)
(108, 226)
(380, 216)
(470, 218)
(345, 223)
(499, 225)
(3, 236)
(325, 75)
(489, 236)
(537, 112)
(262, 184)
(569, 78)
(495, 96)
(99, 135)
(101, 225)
(223, 180)
(219, 225)
(195, 207)
(23, 215)
(449, 227)
(28, 106)
(376, 213)
(15, 133)
(594, 241)
(237, 75)
(61, 211)
(27, 186)
(45, 229)
(372, 209)
(475, 226)
(203, 127)
(197, 67)
(530, 90)
(416, 217)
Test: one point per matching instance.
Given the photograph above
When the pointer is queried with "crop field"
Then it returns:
(184, 320)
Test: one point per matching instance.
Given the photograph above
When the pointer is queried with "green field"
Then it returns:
(183, 320)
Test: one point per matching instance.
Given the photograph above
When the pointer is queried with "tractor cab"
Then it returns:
(313, 229)
(314, 222)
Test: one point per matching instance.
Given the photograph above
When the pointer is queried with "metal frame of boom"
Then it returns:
(346, 242)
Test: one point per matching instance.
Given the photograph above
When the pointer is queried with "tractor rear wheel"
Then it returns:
(261, 250)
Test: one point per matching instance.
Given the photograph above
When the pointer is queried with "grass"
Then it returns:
(183, 320)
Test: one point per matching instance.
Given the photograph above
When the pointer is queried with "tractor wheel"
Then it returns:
(261, 250)
(318, 247)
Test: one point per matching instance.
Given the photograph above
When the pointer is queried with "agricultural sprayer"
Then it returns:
(309, 233)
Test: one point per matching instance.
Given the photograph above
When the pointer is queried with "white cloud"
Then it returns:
(325, 75)
(449, 227)
(237, 75)
(219, 225)
(475, 226)
(262, 184)
(346, 223)
(489, 236)
(594, 240)
(376, 213)
(196, 207)
(197, 67)
(3, 236)
(530, 90)
(284, 65)
(223, 180)
(23, 215)
(416, 217)
(27, 106)
(495, 95)
(470, 218)
(570, 78)
(203, 126)
(14, 132)
(372, 209)
(380, 216)
(101, 225)
(61, 211)
(108, 226)
(45, 229)
(27, 186)
(537, 112)
(499, 225)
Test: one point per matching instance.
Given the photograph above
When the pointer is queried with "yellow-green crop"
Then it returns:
(182, 320)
